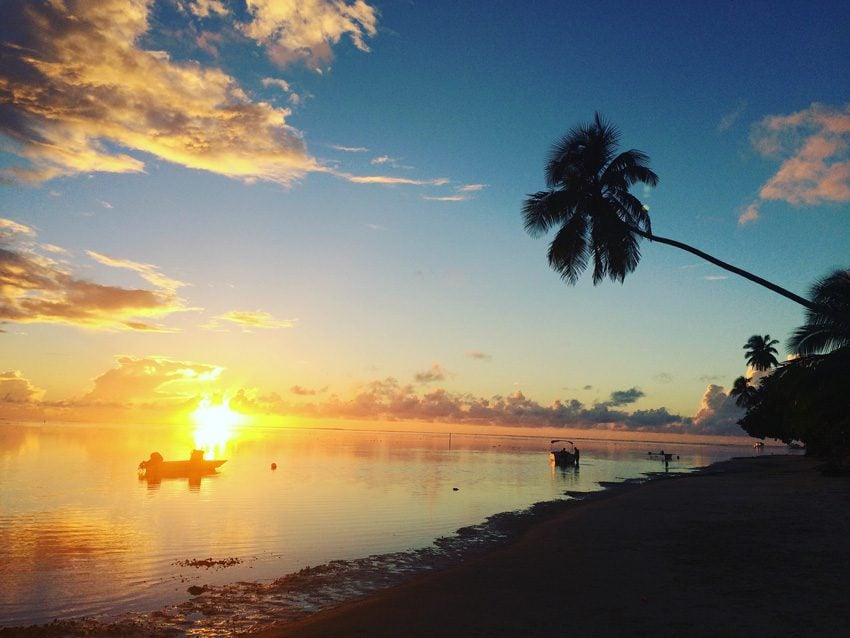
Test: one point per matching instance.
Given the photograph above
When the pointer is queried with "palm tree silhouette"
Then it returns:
(760, 353)
(588, 198)
(743, 392)
(827, 326)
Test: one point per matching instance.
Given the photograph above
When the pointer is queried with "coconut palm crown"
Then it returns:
(598, 219)
(827, 326)
(760, 352)
(589, 199)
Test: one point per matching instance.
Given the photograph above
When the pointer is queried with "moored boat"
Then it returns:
(567, 456)
(196, 466)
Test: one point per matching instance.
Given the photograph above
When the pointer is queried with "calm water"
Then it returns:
(81, 534)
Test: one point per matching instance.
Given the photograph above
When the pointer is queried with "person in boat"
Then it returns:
(196, 456)
(577, 454)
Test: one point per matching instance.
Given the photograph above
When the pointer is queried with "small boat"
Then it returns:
(664, 456)
(758, 445)
(567, 456)
(157, 468)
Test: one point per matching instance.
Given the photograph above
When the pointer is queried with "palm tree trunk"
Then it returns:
(722, 264)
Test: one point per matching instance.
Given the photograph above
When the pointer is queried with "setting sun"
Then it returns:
(215, 424)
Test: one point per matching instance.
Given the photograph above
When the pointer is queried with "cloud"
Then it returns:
(250, 319)
(79, 94)
(717, 414)
(305, 392)
(36, 288)
(624, 397)
(728, 120)
(16, 389)
(481, 356)
(434, 373)
(462, 194)
(814, 146)
(715, 277)
(390, 180)
(305, 31)
(750, 214)
(151, 379)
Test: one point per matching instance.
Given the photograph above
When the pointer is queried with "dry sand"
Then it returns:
(753, 547)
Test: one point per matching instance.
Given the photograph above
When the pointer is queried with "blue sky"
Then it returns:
(315, 211)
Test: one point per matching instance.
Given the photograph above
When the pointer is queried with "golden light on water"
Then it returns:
(215, 425)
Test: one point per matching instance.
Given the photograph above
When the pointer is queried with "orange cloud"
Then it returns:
(16, 389)
(35, 288)
(816, 145)
(151, 379)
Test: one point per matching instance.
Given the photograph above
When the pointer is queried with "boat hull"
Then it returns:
(180, 469)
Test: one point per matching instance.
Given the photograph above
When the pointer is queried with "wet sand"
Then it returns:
(751, 547)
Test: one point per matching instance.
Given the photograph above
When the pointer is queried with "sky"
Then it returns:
(310, 211)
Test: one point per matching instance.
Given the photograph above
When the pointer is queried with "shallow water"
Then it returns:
(81, 534)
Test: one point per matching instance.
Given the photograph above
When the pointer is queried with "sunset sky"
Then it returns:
(313, 212)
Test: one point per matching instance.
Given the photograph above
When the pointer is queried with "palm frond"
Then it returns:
(569, 251)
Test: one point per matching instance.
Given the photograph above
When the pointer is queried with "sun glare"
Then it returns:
(215, 425)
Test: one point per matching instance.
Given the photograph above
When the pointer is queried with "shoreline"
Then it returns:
(641, 556)
(751, 546)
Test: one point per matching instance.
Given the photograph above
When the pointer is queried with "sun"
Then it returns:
(215, 425)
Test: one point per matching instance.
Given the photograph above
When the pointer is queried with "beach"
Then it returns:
(749, 547)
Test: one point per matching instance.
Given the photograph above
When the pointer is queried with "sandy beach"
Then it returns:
(751, 547)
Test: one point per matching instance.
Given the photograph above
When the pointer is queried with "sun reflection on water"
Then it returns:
(216, 424)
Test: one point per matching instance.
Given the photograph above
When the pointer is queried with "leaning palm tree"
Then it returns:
(760, 352)
(598, 219)
(827, 326)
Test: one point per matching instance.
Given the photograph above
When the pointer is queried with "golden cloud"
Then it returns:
(76, 87)
(306, 30)
(152, 379)
(35, 288)
(249, 319)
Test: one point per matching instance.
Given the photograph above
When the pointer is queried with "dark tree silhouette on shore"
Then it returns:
(597, 218)
(760, 352)
(808, 397)
(827, 325)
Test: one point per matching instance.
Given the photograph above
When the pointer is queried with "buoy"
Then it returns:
(274, 466)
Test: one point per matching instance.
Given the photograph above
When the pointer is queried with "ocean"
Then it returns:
(344, 512)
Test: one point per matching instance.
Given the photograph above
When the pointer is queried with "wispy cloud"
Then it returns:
(39, 289)
(461, 194)
(434, 373)
(729, 120)
(481, 356)
(750, 214)
(249, 320)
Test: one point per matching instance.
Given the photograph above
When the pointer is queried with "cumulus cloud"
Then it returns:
(814, 148)
(37, 288)
(306, 31)
(77, 94)
(717, 414)
(14, 388)
(80, 93)
(151, 379)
